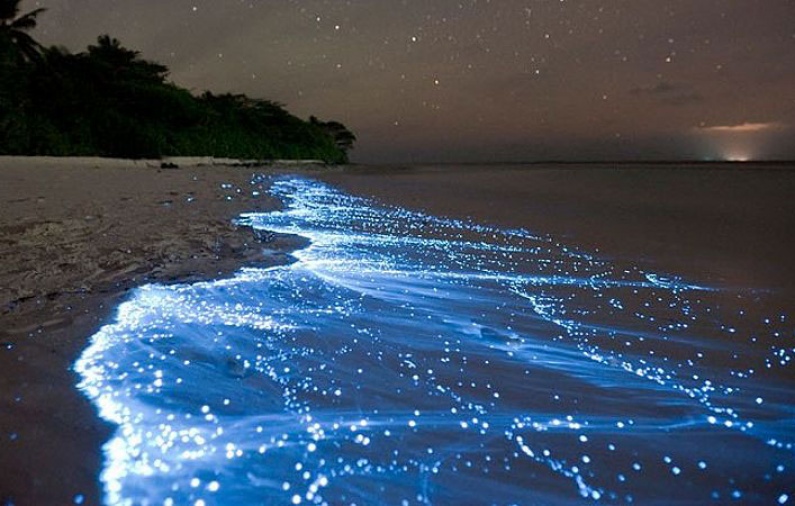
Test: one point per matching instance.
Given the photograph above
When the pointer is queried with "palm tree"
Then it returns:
(342, 137)
(120, 62)
(14, 28)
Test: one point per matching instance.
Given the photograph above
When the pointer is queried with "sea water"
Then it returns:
(409, 359)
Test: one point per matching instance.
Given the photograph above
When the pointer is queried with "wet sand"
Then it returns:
(75, 237)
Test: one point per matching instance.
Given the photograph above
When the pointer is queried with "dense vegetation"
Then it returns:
(108, 101)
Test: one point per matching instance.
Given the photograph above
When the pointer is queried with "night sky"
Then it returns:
(480, 80)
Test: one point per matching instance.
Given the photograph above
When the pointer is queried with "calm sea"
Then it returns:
(406, 358)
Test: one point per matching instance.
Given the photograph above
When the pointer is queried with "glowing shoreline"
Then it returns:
(367, 369)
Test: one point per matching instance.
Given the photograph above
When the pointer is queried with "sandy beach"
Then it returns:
(77, 235)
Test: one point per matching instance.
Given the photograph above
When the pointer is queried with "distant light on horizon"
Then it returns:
(738, 158)
(743, 142)
(739, 153)
(733, 150)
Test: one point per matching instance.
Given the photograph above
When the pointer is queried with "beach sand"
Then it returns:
(77, 235)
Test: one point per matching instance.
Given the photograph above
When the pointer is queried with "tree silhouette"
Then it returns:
(14, 38)
(122, 63)
(343, 138)
(109, 101)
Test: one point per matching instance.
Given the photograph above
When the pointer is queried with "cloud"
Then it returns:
(669, 93)
(660, 88)
(743, 128)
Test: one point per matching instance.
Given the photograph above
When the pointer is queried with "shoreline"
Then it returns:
(76, 236)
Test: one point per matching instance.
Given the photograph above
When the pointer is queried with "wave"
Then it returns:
(406, 358)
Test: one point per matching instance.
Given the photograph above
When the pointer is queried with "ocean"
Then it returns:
(409, 358)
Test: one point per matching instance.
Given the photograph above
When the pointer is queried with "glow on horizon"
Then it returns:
(737, 156)
(742, 142)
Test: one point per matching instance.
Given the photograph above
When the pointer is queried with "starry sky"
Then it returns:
(482, 80)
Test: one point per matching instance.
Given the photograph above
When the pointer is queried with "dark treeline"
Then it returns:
(108, 101)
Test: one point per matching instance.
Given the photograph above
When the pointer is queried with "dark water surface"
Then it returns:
(407, 358)
(728, 224)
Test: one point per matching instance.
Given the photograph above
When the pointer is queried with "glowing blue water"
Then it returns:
(405, 358)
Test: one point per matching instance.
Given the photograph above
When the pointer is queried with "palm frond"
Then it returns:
(8, 10)
(27, 46)
(28, 21)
